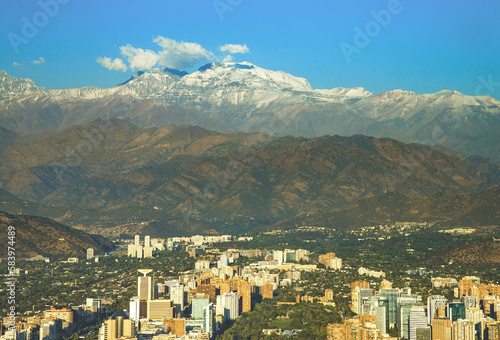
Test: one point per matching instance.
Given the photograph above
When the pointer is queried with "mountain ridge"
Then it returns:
(127, 174)
(231, 97)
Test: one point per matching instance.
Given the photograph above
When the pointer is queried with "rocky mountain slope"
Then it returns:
(42, 236)
(112, 172)
(232, 97)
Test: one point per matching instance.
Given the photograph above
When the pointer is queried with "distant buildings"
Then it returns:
(144, 250)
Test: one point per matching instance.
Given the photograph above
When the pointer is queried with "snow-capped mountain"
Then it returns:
(245, 97)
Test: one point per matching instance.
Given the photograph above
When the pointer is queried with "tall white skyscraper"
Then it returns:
(228, 305)
(433, 303)
(177, 296)
(90, 253)
(418, 319)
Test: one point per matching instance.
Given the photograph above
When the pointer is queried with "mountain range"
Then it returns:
(242, 97)
(186, 179)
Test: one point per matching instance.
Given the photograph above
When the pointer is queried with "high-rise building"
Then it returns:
(145, 285)
(405, 303)
(198, 304)
(441, 328)
(245, 294)
(423, 333)
(177, 296)
(118, 326)
(160, 309)
(209, 319)
(462, 330)
(228, 306)
(456, 310)
(418, 319)
(433, 303)
(90, 253)
(381, 307)
(392, 296)
(48, 330)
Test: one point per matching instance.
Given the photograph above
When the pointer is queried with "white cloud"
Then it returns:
(227, 58)
(17, 64)
(138, 58)
(110, 64)
(173, 54)
(232, 48)
(40, 60)
(180, 54)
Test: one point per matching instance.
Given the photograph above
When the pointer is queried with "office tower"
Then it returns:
(392, 296)
(355, 294)
(145, 285)
(462, 330)
(441, 328)
(433, 304)
(48, 329)
(160, 309)
(209, 319)
(118, 326)
(418, 319)
(380, 308)
(199, 302)
(423, 333)
(147, 241)
(177, 297)
(90, 253)
(403, 317)
(228, 305)
(138, 309)
(456, 310)
(137, 240)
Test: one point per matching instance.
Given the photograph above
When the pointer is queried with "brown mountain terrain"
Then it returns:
(111, 172)
(42, 236)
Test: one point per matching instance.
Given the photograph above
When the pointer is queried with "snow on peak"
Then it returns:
(244, 74)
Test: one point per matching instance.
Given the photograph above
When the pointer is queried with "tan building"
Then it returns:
(267, 291)
(441, 328)
(119, 326)
(160, 309)
(175, 326)
(335, 331)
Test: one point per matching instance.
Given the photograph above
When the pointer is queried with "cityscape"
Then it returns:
(249, 170)
(201, 288)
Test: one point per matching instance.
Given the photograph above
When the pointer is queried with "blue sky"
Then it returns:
(420, 45)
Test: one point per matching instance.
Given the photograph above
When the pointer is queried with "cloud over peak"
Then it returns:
(110, 64)
(233, 48)
(173, 54)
